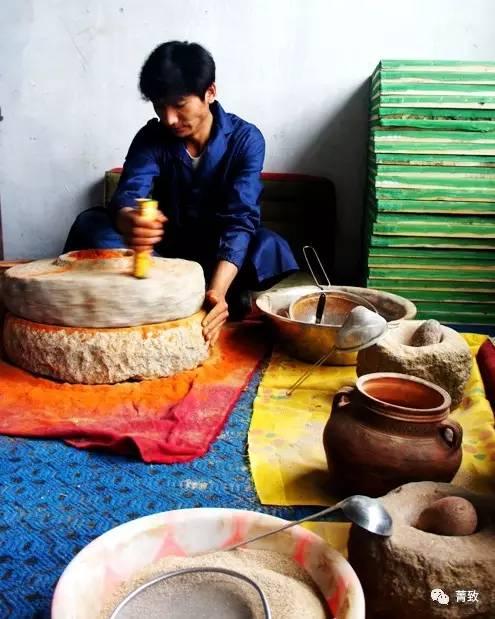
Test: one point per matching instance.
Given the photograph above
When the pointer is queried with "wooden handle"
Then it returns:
(142, 259)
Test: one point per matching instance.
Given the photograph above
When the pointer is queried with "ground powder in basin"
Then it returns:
(290, 591)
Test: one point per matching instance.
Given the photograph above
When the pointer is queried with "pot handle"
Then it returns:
(451, 433)
(342, 397)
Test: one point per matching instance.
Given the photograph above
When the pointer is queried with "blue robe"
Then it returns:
(213, 212)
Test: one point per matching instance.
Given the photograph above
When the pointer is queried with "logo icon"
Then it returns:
(437, 595)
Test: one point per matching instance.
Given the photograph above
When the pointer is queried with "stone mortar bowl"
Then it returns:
(398, 573)
(309, 342)
(447, 364)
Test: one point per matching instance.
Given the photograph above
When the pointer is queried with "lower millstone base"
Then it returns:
(105, 356)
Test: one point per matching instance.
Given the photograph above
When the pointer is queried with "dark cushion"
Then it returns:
(299, 207)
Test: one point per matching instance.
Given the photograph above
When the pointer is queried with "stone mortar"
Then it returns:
(447, 364)
(101, 356)
(398, 573)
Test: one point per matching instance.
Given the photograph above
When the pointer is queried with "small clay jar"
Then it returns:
(388, 430)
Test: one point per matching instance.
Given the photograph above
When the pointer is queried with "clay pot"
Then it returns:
(388, 430)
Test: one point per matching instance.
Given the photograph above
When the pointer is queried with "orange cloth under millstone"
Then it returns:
(164, 420)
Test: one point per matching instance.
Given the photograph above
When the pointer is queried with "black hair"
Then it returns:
(176, 69)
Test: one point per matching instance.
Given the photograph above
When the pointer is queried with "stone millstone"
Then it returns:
(446, 364)
(5, 265)
(96, 288)
(101, 356)
(398, 573)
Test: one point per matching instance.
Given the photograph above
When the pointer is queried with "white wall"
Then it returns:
(296, 68)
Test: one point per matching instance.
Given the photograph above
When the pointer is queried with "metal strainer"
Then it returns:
(201, 601)
(328, 307)
(362, 328)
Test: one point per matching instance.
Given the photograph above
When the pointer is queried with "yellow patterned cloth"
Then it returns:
(285, 438)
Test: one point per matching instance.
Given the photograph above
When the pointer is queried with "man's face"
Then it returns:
(185, 117)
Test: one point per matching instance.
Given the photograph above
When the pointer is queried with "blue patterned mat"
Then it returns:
(55, 499)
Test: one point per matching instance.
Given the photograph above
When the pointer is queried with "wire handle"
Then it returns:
(289, 525)
(322, 268)
(306, 374)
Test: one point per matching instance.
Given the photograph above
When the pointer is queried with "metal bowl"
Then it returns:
(309, 342)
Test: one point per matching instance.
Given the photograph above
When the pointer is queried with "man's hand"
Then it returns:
(140, 234)
(215, 303)
(218, 312)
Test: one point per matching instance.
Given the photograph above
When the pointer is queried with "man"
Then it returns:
(203, 166)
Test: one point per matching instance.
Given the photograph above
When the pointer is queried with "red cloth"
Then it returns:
(165, 420)
(486, 363)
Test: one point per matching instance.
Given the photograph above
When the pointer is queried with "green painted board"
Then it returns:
(485, 222)
(432, 225)
(441, 175)
(378, 240)
(411, 287)
(388, 190)
(398, 121)
(461, 161)
(431, 206)
(420, 263)
(437, 66)
(456, 319)
(386, 140)
(448, 255)
(391, 273)
(447, 316)
(431, 113)
(486, 309)
(452, 101)
(481, 310)
(415, 77)
(434, 230)
(444, 296)
(401, 87)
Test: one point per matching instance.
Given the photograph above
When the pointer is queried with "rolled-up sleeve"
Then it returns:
(240, 218)
(140, 169)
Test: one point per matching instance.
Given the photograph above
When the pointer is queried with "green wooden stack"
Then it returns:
(431, 199)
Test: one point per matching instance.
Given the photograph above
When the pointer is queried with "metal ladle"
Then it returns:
(364, 511)
(362, 328)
